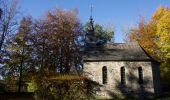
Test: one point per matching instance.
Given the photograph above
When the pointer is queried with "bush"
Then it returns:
(60, 88)
(165, 73)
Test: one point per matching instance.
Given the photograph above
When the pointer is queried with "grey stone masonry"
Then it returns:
(113, 87)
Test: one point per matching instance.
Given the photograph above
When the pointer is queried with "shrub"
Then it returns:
(65, 87)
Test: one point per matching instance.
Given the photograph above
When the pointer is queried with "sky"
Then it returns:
(122, 14)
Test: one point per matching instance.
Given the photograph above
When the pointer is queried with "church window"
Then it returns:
(122, 75)
(140, 72)
(104, 70)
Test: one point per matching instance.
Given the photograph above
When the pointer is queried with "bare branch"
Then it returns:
(8, 21)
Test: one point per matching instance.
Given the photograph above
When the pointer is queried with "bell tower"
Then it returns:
(90, 38)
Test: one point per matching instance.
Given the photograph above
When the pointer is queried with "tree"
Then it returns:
(0, 13)
(63, 29)
(101, 33)
(0, 10)
(163, 33)
(8, 21)
(154, 37)
(145, 35)
(56, 50)
(22, 42)
(18, 51)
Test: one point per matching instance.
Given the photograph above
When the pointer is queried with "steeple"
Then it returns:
(91, 27)
(90, 37)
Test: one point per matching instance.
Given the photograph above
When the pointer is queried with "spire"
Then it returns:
(91, 11)
(90, 38)
(91, 19)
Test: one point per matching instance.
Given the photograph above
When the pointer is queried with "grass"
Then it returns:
(164, 96)
(29, 96)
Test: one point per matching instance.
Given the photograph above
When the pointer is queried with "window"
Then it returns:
(140, 72)
(104, 71)
(122, 75)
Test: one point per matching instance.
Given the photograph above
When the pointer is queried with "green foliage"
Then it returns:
(31, 86)
(101, 33)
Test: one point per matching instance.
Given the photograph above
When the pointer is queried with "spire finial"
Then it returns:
(91, 10)
(91, 20)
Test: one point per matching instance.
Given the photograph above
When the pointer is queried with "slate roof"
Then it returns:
(116, 52)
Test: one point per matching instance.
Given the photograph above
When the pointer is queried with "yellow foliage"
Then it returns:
(163, 33)
(158, 14)
(144, 35)
(154, 36)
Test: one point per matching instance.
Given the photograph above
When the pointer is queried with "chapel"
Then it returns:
(123, 69)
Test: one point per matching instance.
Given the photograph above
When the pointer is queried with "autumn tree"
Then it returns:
(163, 42)
(23, 44)
(56, 52)
(8, 22)
(163, 33)
(154, 37)
(59, 32)
(17, 60)
(145, 35)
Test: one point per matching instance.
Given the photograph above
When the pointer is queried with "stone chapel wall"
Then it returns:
(93, 70)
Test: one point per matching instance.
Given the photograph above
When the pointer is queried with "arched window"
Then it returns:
(140, 72)
(104, 71)
(122, 69)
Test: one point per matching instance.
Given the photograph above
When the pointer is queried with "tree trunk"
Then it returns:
(20, 76)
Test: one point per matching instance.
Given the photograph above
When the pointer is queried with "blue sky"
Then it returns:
(121, 13)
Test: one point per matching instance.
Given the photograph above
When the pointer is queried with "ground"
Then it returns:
(29, 96)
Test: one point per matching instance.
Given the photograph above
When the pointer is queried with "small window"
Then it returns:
(104, 71)
(140, 72)
(123, 75)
